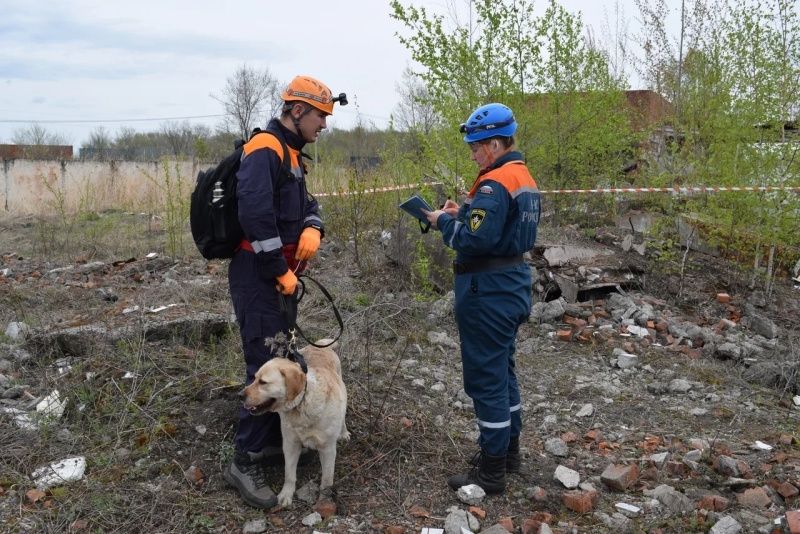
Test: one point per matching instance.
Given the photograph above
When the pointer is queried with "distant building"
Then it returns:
(789, 130)
(650, 109)
(648, 112)
(48, 152)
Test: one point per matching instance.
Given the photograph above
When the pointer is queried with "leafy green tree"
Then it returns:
(738, 89)
(574, 127)
(763, 45)
(579, 125)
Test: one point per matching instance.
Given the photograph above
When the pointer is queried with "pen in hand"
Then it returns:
(450, 208)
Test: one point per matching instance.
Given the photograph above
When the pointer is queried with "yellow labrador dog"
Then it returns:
(312, 409)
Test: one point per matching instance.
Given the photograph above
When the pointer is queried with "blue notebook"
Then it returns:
(412, 207)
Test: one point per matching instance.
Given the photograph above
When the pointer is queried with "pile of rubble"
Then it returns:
(613, 477)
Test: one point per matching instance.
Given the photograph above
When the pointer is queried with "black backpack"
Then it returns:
(214, 204)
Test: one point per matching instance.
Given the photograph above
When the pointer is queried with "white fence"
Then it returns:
(37, 187)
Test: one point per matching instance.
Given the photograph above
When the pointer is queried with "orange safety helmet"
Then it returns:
(312, 92)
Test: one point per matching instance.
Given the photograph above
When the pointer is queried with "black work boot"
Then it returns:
(489, 474)
(246, 473)
(513, 458)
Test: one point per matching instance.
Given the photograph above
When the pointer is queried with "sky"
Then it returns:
(73, 66)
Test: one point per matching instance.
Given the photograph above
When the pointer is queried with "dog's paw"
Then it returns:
(326, 494)
(285, 498)
(344, 435)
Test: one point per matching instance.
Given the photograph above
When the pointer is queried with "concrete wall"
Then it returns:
(39, 186)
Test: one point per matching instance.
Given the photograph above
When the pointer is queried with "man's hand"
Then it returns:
(287, 283)
(308, 244)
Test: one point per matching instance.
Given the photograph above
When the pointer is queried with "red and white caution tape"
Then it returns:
(373, 190)
(698, 189)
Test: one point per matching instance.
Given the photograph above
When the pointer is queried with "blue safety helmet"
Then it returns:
(487, 121)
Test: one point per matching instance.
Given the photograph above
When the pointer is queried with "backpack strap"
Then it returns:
(286, 165)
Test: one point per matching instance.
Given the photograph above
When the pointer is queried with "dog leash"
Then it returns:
(288, 307)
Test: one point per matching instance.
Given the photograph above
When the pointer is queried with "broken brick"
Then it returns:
(787, 490)
(754, 498)
(507, 523)
(793, 521)
(620, 477)
(564, 335)
(675, 469)
(480, 513)
(580, 501)
(715, 503)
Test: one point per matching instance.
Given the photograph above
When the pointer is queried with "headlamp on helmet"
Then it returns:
(313, 92)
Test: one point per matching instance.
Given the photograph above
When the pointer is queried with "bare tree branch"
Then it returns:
(249, 94)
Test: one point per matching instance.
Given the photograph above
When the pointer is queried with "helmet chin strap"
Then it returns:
(296, 121)
(490, 156)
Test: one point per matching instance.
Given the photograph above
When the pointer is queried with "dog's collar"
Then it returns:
(296, 357)
(305, 390)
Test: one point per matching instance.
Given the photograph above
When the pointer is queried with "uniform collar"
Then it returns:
(292, 139)
(514, 155)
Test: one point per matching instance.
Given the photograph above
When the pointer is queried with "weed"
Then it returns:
(422, 268)
(203, 523)
(174, 205)
(225, 452)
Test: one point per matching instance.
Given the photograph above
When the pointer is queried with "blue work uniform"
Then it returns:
(495, 225)
(272, 221)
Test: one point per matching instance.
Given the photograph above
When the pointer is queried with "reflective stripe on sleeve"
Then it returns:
(267, 245)
(455, 232)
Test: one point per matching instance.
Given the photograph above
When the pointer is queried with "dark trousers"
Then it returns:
(255, 303)
(490, 307)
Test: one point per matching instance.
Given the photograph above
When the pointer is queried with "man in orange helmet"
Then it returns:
(282, 230)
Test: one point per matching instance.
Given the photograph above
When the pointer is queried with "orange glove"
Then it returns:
(287, 283)
(308, 244)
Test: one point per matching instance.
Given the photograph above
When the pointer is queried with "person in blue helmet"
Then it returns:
(495, 225)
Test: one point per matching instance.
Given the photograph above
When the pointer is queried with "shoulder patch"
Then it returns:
(486, 190)
(476, 219)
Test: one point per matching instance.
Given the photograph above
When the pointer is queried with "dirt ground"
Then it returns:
(154, 415)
